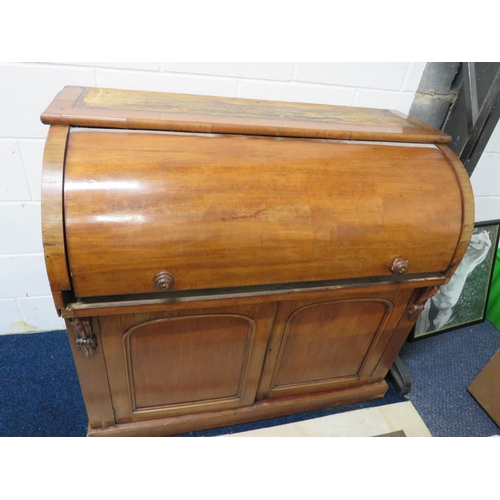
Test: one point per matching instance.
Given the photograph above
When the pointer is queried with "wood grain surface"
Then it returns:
(267, 408)
(319, 345)
(93, 378)
(113, 108)
(468, 206)
(241, 259)
(185, 361)
(225, 211)
(54, 245)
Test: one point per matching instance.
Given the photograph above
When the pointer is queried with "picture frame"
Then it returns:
(463, 300)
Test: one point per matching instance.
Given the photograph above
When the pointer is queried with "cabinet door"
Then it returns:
(329, 344)
(183, 362)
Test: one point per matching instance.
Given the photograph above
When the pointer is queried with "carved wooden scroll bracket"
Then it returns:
(418, 306)
(85, 340)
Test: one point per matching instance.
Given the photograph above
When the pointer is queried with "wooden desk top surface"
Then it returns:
(111, 108)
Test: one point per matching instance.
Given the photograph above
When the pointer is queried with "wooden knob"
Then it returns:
(399, 266)
(164, 281)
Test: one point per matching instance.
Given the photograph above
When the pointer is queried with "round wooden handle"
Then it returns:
(399, 266)
(164, 281)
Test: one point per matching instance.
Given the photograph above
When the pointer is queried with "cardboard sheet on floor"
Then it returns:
(486, 388)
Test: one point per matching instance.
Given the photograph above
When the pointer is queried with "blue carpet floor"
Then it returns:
(39, 391)
(442, 367)
(40, 395)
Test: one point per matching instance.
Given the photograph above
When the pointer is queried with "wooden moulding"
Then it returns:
(260, 410)
(401, 331)
(282, 378)
(112, 108)
(93, 377)
(139, 303)
(467, 208)
(53, 212)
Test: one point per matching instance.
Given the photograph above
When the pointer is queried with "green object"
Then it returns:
(493, 308)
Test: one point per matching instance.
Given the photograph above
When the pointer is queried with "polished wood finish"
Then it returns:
(93, 376)
(54, 245)
(468, 218)
(418, 304)
(184, 362)
(113, 108)
(399, 266)
(191, 373)
(345, 335)
(207, 210)
(267, 408)
(400, 333)
(85, 339)
(220, 261)
(247, 295)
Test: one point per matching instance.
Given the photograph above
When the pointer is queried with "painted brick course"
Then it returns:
(255, 70)
(30, 88)
(372, 75)
(20, 227)
(23, 275)
(486, 180)
(13, 181)
(166, 82)
(384, 99)
(293, 91)
(31, 152)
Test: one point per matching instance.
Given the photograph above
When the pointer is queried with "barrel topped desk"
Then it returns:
(222, 260)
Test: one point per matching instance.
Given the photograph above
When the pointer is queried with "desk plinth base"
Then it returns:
(264, 409)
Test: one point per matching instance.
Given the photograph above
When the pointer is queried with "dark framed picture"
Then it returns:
(463, 300)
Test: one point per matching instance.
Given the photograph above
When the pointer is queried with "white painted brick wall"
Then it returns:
(14, 185)
(371, 75)
(486, 180)
(293, 91)
(257, 71)
(20, 228)
(31, 151)
(27, 89)
(166, 82)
